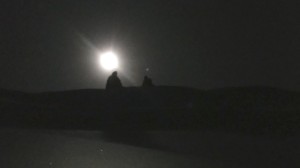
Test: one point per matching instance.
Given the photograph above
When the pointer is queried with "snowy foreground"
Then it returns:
(89, 149)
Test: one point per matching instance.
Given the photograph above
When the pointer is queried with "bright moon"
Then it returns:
(109, 61)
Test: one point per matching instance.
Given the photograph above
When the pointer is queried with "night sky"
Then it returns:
(53, 45)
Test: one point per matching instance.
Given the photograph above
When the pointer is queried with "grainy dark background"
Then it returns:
(52, 45)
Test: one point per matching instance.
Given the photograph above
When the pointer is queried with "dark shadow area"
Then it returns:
(234, 125)
(256, 110)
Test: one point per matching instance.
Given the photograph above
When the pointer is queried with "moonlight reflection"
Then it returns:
(109, 61)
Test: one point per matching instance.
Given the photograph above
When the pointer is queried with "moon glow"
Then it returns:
(109, 61)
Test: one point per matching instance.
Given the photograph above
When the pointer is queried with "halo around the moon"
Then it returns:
(109, 61)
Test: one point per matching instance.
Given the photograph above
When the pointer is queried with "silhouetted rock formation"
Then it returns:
(113, 82)
(147, 82)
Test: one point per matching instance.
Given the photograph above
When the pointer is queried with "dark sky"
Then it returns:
(51, 45)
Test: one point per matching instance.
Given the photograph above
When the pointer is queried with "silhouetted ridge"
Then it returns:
(169, 107)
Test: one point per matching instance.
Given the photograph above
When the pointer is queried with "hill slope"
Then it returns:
(253, 109)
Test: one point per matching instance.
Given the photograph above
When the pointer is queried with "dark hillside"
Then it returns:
(253, 109)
